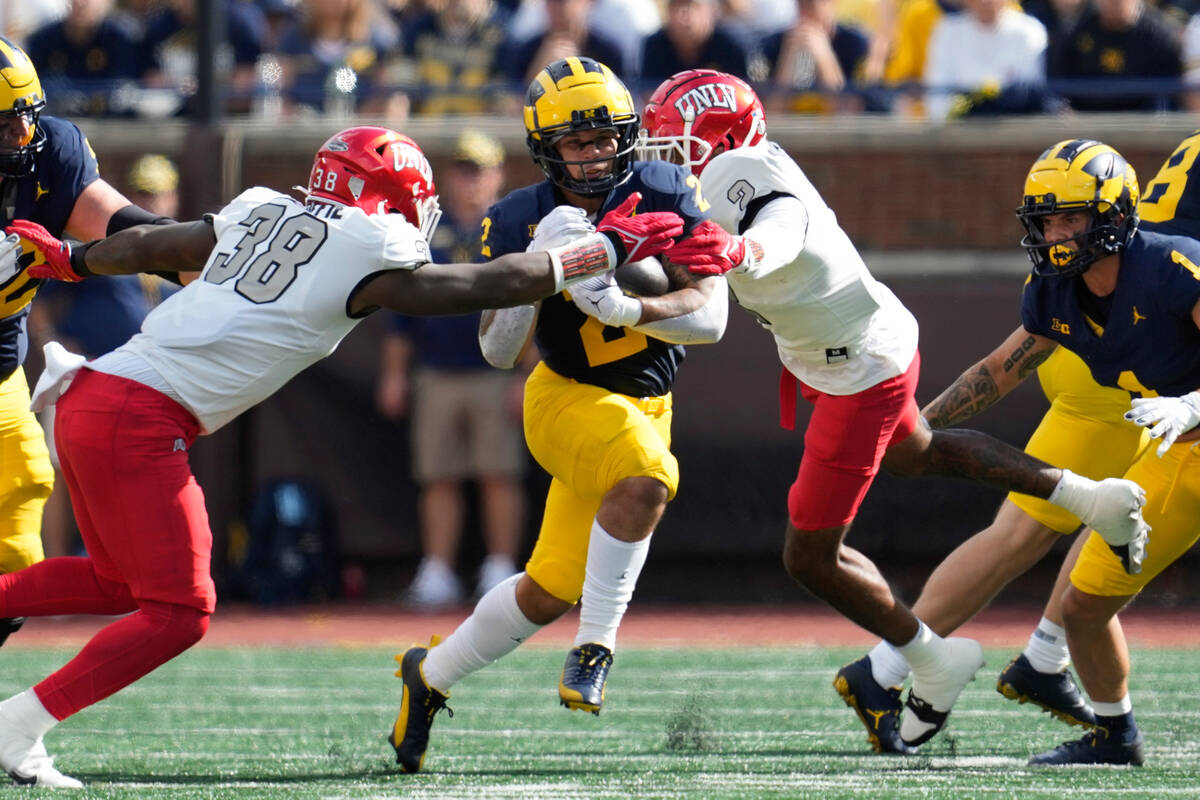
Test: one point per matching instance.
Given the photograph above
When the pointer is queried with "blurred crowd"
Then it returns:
(939, 59)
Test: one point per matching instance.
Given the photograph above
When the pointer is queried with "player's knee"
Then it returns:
(648, 494)
(1082, 610)
(178, 627)
(538, 605)
(806, 558)
(632, 509)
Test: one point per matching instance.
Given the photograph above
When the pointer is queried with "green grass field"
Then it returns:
(706, 724)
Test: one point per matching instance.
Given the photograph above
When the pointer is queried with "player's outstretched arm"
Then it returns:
(984, 383)
(183, 247)
(435, 289)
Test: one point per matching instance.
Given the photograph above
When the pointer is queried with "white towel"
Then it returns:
(61, 368)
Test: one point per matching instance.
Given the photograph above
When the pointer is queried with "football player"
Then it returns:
(1083, 430)
(597, 407)
(282, 283)
(1127, 301)
(48, 174)
(850, 347)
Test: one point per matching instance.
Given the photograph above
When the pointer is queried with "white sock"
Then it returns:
(887, 665)
(613, 567)
(25, 713)
(495, 628)
(1117, 709)
(1047, 649)
(925, 650)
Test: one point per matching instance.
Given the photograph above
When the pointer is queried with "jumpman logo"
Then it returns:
(1136, 316)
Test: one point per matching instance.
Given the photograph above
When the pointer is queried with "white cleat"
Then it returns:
(932, 695)
(27, 763)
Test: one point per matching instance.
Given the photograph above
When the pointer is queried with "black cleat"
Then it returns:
(9, 626)
(877, 707)
(1055, 693)
(584, 676)
(418, 706)
(1095, 748)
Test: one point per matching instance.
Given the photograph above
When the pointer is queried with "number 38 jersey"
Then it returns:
(272, 300)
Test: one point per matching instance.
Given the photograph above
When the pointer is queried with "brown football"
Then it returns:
(645, 278)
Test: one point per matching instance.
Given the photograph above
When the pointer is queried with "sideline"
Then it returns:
(369, 625)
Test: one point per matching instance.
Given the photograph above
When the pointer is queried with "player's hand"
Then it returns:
(1166, 417)
(636, 237)
(47, 256)
(602, 298)
(1112, 508)
(709, 250)
(561, 226)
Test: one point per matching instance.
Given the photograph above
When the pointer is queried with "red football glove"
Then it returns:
(709, 250)
(49, 257)
(637, 237)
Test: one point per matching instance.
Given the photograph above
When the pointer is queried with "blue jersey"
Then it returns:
(447, 342)
(1150, 343)
(571, 343)
(1171, 202)
(63, 168)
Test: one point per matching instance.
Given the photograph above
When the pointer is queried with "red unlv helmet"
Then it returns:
(697, 113)
(379, 171)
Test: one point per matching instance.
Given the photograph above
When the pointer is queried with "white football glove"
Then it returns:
(561, 226)
(602, 298)
(1166, 417)
(1112, 508)
(10, 251)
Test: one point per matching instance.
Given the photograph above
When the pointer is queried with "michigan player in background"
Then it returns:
(283, 283)
(1084, 430)
(597, 408)
(852, 346)
(48, 174)
(1127, 302)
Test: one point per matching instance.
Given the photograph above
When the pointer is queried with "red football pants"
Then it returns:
(844, 444)
(123, 450)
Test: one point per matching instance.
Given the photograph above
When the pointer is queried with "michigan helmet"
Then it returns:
(696, 113)
(1078, 175)
(20, 95)
(579, 94)
(379, 171)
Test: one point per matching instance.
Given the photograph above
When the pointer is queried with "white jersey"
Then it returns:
(272, 300)
(837, 328)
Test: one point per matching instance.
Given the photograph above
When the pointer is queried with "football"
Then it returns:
(645, 278)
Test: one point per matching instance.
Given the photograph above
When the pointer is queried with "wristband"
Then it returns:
(79, 259)
(583, 258)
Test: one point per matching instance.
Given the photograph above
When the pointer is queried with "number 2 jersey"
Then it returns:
(272, 299)
(571, 343)
(836, 328)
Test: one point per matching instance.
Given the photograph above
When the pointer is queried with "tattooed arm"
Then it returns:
(990, 379)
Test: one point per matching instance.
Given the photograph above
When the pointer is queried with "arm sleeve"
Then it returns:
(776, 236)
(504, 338)
(705, 325)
